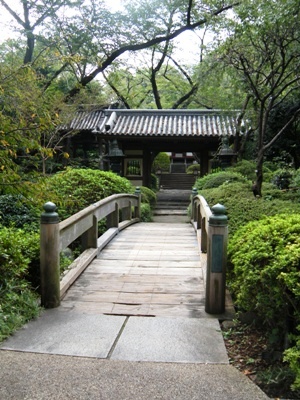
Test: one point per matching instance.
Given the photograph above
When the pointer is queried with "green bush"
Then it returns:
(292, 356)
(148, 196)
(264, 277)
(192, 168)
(146, 212)
(162, 162)
(242, 207)
(295, 180)
(154, 183)
(74, 189)
(265, 258)
(19, 250)
(15, 210)
(217, 179)
(282, 178)
(246, 168)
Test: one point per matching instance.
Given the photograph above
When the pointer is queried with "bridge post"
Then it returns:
(127, 212)
(112, 220)
(49, 257)
(194, 205)
(90, 237)
(216, 261)
(137, 210)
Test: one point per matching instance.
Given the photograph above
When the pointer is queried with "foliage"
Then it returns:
(192, 168)
(73, 48)
(242, 206)
(218, 87)
(286, 150)
(217, 179)
(247, 169)
(265, 44)
(18, 303)
(17, 211)
(28, 119)
(74, 189)
(148, 196)
(265, 256)
(146, 212)
(295, 182)
(161, 162)
(157, 84)
(154, 183)
(282, 178)
(292, 356)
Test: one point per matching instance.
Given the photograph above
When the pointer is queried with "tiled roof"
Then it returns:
(159, 123)
(86, 119)
(166, 123)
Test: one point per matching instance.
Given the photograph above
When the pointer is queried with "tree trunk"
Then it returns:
(29, 47)
(259, 172)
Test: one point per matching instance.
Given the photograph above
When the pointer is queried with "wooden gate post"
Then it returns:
(216, 260)
(49, 257)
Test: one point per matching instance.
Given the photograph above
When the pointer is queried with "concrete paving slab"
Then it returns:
(70, 333)
(181, 340)
(49, 377)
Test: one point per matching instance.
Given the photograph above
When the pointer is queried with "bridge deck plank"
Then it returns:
(149, 269)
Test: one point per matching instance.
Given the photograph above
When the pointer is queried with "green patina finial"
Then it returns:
(137, 190)
(49, 216)
(218, 216)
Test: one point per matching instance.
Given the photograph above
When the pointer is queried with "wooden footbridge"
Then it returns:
(147, 269)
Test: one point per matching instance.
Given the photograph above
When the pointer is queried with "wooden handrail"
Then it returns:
(212, 233)
(56, 236)
(201, 213)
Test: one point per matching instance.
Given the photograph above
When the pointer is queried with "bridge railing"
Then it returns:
(120, 211)
(212, 232)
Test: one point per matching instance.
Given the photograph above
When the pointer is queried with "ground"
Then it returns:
(248, 351)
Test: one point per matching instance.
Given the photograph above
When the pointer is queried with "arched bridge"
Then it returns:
(147, 269)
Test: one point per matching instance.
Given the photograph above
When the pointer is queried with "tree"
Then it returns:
(144, 17)
(286, 150)
(28, 120)
(91, 38)
(34, 15)
(265, 53)
(154, 86)
(76, 41)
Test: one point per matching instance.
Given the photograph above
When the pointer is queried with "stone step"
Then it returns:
(180, 181)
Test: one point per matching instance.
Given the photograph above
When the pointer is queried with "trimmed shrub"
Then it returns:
(246, 168)
(74, 189)
(265, 258)
(162, 162)
(217, 179)
(242, 207)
